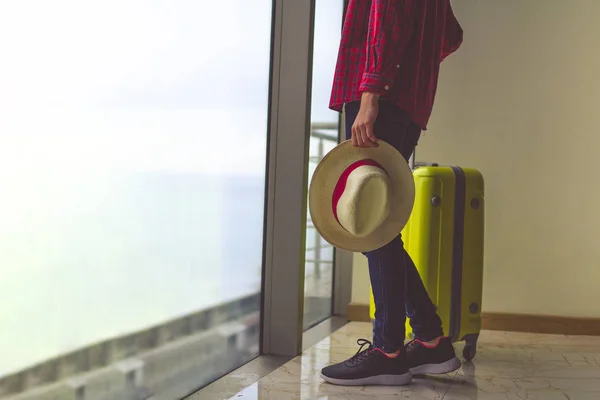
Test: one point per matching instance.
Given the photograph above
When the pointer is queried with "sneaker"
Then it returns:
(369, 367)
(438, 358)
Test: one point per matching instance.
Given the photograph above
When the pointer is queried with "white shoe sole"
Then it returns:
(379, 380)
(443, 368)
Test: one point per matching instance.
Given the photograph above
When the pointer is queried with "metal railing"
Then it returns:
(323, 132)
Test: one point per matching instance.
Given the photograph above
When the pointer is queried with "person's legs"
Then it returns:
(424, 320)
(387, 265)
(391, 266)
(396, 285)
(385, 361)
(429, 352)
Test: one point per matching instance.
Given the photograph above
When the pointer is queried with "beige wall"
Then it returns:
(360, 280)
(521, 102)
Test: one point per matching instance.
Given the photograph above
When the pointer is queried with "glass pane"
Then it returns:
(132, 178)
(319, 254)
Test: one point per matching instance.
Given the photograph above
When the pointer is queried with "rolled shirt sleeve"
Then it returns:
(391, 24)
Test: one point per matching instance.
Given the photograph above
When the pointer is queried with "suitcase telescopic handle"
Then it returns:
(414, 165)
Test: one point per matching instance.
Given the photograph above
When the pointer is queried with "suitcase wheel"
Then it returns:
(470, 348)
(469, 352)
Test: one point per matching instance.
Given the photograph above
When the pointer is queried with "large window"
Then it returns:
(132, 182)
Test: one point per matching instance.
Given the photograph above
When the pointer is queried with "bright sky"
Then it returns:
(144, 84)
(134, 85)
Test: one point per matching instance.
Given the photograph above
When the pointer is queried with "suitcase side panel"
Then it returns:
(423, 232)
(473, 256)
(432, 222)
(421, 235)
(426, 238)
(422, 238)
(429, 239)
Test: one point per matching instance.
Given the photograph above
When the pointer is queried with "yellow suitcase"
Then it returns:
(444, 237)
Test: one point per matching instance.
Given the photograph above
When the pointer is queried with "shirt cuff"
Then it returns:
(375, 83)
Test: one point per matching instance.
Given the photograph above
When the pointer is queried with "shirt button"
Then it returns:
(386, 87)
(398, 66)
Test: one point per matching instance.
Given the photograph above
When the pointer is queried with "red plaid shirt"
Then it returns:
(395, 48)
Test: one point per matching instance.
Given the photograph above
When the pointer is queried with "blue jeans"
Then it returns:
(397, 287)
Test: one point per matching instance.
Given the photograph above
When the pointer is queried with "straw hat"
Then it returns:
(361, 198)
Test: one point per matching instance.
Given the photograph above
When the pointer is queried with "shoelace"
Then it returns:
(361, 354)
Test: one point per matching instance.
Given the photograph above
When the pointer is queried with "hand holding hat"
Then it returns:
(361, 198)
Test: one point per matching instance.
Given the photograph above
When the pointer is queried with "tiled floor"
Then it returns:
(508, 366)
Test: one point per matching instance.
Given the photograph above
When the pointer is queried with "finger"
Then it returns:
(367, 142)
(371, 134)
(358, 135)
(353, 137)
